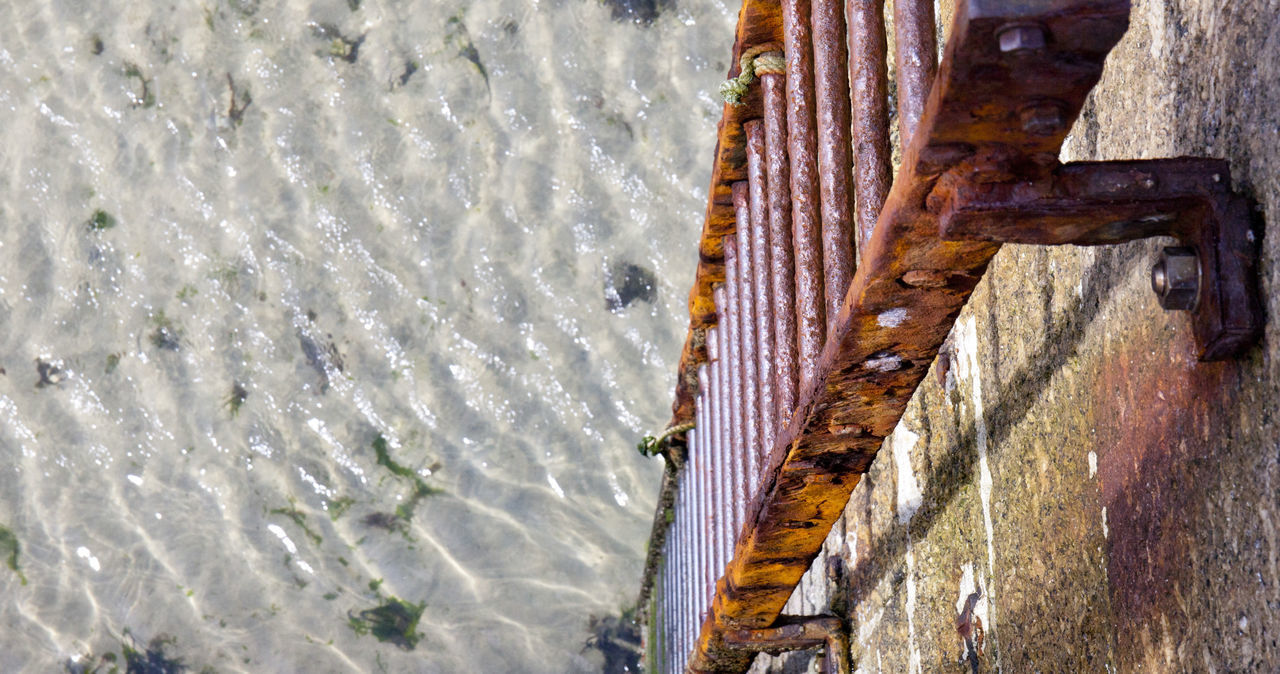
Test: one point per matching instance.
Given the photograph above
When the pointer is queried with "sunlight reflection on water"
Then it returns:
(244, 241)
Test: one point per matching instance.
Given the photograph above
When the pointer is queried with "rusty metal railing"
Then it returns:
(824, 294)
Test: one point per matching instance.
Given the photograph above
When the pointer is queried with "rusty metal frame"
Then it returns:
(981, 168)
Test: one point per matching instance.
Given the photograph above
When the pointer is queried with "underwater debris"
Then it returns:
(617, 638)
(319, 358)
(396, 622)
(51, 373)
(340, 46)
(386, 521)
(456, 35)
(145, 98)
(642, 12)
(152, 659)
(236, 398)
(410, 67)
(166, 336)
(625, 283)
(235, 113)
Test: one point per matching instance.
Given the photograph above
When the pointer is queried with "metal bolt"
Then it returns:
(1020, 38)
(1176, 278)
(1042, 119)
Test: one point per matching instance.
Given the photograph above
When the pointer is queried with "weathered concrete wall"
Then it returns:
(1114, 502)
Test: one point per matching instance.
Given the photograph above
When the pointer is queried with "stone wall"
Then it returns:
(1068, 474)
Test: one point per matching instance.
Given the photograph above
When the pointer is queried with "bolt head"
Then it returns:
(1042, 119)
(1175, 278)
(1021, 38)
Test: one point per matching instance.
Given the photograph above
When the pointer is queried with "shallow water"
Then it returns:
(315, 314)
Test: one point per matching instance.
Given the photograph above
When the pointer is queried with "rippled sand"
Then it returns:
(315, 316)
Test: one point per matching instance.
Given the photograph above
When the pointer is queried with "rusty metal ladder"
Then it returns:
(823, 295)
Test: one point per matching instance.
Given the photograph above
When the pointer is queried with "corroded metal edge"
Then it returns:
(891, 324)
(759, 23)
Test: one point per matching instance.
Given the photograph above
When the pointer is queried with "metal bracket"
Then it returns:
(1212, 273)
(795, 633)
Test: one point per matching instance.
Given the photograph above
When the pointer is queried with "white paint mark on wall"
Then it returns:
(968, 586)
(913, 665)
(909, 495)
(1105, 532)
(1093, 463)
(892, 318)
(966, 350)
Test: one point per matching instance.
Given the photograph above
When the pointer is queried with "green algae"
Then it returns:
(9, 548)
(299, 518)
(153, 659)
(235, 399)
(339, 506)
(457, 36)
(395, 621)
(166, 336)
(145, 98)
(421, 489)
(101, 220)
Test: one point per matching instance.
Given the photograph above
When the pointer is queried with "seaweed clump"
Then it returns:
(101, 220)
(166, 336)
(421, 489)
(642, 12)
(617, 638)
(299, 518)
(152, 659)
(395, 621)
(9, 549)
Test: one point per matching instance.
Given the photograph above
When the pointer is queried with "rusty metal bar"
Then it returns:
(1100, 203)
(915, 53)
(707, 450)
(747, 318)
(760, 286)
(781, 257)
(806, 224)
(910, 284)
(791, 633)
(682, 595)
(726, 412)
(736, 383)
(719, 382)
(663, 631)
(710, 412)
(831, 87)
(870, 84)
(699, 508)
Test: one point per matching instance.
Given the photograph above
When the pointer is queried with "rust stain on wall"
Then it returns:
(1159, 418)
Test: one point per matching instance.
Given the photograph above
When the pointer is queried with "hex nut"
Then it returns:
(1175, 278)
(1020, 38)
